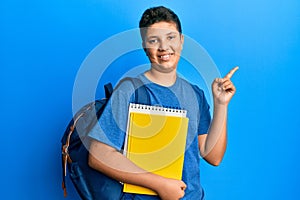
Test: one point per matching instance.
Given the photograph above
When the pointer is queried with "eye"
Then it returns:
(171, 37)
(152, 41)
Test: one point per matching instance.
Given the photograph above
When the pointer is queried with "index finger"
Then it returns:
(230, 74)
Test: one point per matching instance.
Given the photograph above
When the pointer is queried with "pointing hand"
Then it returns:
(223, 89)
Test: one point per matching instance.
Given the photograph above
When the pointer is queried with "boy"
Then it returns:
(162, 37)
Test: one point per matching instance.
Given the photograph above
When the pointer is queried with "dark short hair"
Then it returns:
(158, 14)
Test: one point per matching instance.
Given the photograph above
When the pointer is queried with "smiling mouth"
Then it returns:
(165, 57)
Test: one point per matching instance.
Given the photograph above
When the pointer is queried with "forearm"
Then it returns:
(215, 143)
(115, 165)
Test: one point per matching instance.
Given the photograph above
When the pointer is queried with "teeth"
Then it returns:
(165, 56)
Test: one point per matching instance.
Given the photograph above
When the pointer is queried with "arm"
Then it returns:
(112, 163)
(213, 145)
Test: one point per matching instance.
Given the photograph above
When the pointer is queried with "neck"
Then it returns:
(161, 78)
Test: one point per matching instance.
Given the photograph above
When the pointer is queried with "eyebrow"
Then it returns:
(173, 32)
(155, 36)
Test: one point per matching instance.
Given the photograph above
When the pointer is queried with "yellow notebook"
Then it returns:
(155, 141)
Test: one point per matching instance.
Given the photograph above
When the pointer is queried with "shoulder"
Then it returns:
(126, 86)
(195, 88)
(198, 91)
(127, 89)
(126, 83)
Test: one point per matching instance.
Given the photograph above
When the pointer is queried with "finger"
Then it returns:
(182, 194)
(229, 87)
(230, 74)
(226, 83)
(183, 186)
(218, 81)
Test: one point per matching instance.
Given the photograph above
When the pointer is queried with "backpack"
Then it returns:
(90, 183)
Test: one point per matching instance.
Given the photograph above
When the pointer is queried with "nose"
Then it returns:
(163, 46)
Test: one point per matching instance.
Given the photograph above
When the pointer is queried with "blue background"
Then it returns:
(43, 44)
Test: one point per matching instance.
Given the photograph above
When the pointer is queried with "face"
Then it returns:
(163, 44)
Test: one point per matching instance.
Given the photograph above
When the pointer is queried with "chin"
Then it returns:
(164, 67)
(167, 69)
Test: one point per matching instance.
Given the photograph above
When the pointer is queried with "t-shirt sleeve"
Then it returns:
(112, 124)
(204, 112)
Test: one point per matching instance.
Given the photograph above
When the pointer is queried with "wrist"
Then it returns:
(153, 182)
(220, 105)
(158, 183)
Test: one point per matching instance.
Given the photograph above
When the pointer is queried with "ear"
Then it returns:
(182, 40)
(144, 47)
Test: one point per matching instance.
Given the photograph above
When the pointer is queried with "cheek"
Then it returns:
(151, 52)
(177, 47)
(178, 51)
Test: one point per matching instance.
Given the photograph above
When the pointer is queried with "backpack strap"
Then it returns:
(108, 88)
(65, 153)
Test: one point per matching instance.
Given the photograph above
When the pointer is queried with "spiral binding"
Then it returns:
(156, 109)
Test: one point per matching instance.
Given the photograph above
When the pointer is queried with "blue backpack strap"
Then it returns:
(141, 94)
(108, 88)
